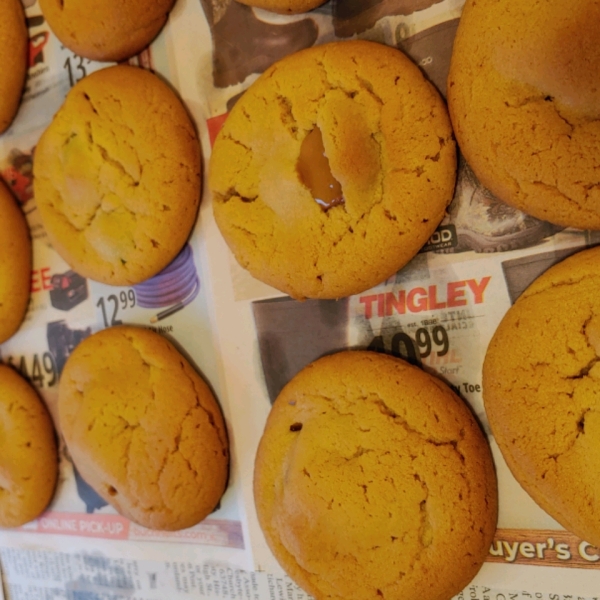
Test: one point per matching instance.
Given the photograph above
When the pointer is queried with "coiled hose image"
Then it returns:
(175, 286)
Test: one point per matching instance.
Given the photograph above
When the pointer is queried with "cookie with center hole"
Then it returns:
(524, 99)
(333, 169)
(106, 30)
(28, 453)
(373, 480)
(143, 428)
(540, 388)
(117, 176)
(14, 48)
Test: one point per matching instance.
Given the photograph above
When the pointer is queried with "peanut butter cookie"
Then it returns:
(143, 428)
(106, 30)
(540, 387)
(15, 264)
(117, 176)
(373, 480)
(333, 169)
(14, 48)
(524, 99)
(28, 455)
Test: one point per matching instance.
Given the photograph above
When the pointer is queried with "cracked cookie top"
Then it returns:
(385, 140)
(14, 47)
(285, 7)
(373, 480)
(28, 455)
(524, 99)
(143, 428)
(117, 176)
(540, 386)
(15, 264)
(106, 30)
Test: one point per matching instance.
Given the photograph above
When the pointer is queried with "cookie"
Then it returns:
(106, 30)
(540, 388)
(143, 428)
(284, 7)
(373, 479)
(333, 169)
(117, 176)
(14, 47)
(15, 264)
(524, 100)
(28, 455)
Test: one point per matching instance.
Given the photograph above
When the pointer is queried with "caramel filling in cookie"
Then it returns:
(315, 173)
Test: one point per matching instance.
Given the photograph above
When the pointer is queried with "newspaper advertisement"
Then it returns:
(65, 307)
(248, 340)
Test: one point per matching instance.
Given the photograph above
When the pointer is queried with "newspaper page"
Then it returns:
(438, 312)
(35, 575)
(65, 308)
(248, 340)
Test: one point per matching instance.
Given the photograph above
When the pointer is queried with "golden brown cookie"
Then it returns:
(284, 7)
(28, 455)
(333, 169)
(540, 386)
(13, 57)
(106, 30)
(117, 176)
(15, 264)
(373, 480)
(143, 428)
(524, 99)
